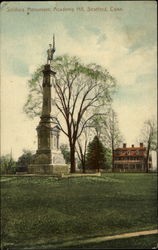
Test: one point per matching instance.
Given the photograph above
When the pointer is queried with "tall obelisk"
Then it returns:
(48, 158)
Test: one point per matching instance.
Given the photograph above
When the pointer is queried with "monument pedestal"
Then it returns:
(48, 169)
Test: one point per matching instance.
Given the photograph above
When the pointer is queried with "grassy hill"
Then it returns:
(38, 211)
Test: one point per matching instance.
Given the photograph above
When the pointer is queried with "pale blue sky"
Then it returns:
(122, 41)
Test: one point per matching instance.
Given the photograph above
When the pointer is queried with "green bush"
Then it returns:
(8, 165)
(24, 160)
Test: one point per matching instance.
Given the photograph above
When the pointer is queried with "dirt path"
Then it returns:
(105, 238)
(120, 236)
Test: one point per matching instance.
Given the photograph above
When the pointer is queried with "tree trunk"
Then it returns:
(147, 159)
(112, 150)
(72, 159)
(112, 160)
(83, 167)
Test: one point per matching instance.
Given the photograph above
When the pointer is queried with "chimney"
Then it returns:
(141, 145)
(132, 145)
(124, 145)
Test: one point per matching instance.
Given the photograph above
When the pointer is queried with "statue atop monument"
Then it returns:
(50, 51)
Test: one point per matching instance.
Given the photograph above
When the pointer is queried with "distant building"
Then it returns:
(131, 159)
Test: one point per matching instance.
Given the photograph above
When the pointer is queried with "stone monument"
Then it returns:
(48, 158)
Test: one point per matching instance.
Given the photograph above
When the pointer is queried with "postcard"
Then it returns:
(78, 124)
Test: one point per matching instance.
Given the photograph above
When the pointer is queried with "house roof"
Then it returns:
(131, 149)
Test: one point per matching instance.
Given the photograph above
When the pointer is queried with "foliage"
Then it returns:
(78, 88)
(33, 105)
(49, 212)
(66, 152)
(96, 155)
(24, 160)
(8, 165)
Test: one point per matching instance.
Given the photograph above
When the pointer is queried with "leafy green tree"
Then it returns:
(66, 152)
(96, 155)
(24, 160)
(78, 88)
(8, 165)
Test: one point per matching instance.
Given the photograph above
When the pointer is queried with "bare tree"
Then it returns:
(82, 144)
(113, 136)
(149, 137)
(94, 127)
(107, 129)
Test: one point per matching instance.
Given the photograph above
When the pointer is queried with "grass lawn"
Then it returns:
(42, 211)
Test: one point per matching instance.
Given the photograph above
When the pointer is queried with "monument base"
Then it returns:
(48, 169)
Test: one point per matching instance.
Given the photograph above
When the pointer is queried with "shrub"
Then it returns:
(8, 165)
(24, 160)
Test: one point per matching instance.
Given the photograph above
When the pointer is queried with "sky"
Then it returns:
(119, 35)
